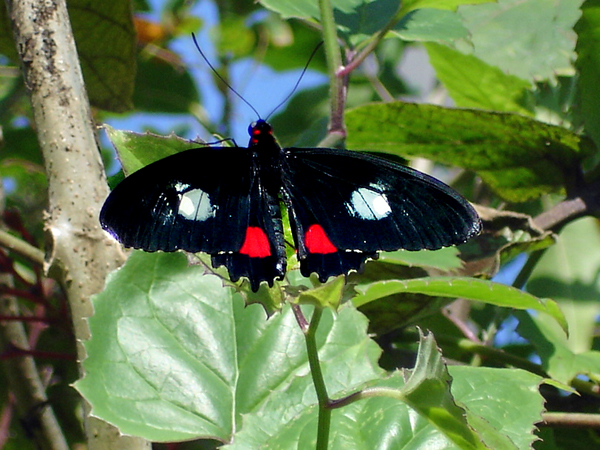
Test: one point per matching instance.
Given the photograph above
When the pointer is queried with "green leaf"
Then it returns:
(484, 391)
(106, 45)
(520, 158)
(588, 67)
(328, 295)
(569, 272)
(233, 36)
(494, 412)
(175, 356)
(285, 53)
(430, 25)
(21, 143)
(138, 150)
(357, 20)
(474, 84)
(552, 346)
(530, 39)
(443, 259)
(451, 5)
(427, 391)
(468, 288)
(162, 87)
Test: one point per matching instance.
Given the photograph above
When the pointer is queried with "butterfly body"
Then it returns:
(343, 207)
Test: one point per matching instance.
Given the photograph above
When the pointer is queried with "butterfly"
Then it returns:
(343, 206)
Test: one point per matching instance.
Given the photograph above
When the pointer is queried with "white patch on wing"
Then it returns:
(368, 204)
(195, 205)
(181, 187)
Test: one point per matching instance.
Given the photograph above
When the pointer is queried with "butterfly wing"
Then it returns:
(346, 206)
(201, 200)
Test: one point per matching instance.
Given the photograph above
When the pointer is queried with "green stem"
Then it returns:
(318, 381)
(334, 64)
(527, 269)
(366, 51)
(21, 247)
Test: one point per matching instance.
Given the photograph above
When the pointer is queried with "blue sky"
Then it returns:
(260, 86)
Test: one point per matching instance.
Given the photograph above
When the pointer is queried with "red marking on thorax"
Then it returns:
(256, 244)
(317, 241)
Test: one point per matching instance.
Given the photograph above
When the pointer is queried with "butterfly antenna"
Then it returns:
(299, 80)
(223, 79)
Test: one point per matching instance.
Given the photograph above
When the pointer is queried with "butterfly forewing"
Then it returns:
(184, 202)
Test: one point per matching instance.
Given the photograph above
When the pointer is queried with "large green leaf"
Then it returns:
(483, 389)
(486, 412)
(138, 150)
(520, 158)
(588, 67)
(569, 271)
(531, 39)
(468, 288)
(431, 25)
(174, 355)
(427, 390)
(474, 84)
(552, 347)
(106, 44)
(359, 19)
(164, 88)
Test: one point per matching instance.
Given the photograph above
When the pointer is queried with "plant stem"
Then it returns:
(319, 382)
(360, 57)
(334, 64)
(571, 420)
(21, 247)
(527, 269)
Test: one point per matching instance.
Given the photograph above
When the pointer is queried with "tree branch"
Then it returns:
(80, 253)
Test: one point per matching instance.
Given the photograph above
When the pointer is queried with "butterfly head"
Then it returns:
(260, 132)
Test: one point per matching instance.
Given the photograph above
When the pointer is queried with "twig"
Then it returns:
(21, 247)
(564, 212)
(571, 420)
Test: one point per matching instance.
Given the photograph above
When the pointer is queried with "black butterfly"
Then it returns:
(343, 207)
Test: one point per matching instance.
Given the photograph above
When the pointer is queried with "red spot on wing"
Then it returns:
(317, 241)
(256, 244)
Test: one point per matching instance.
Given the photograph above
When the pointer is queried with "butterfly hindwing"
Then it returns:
(261, 257)
(346, 206)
